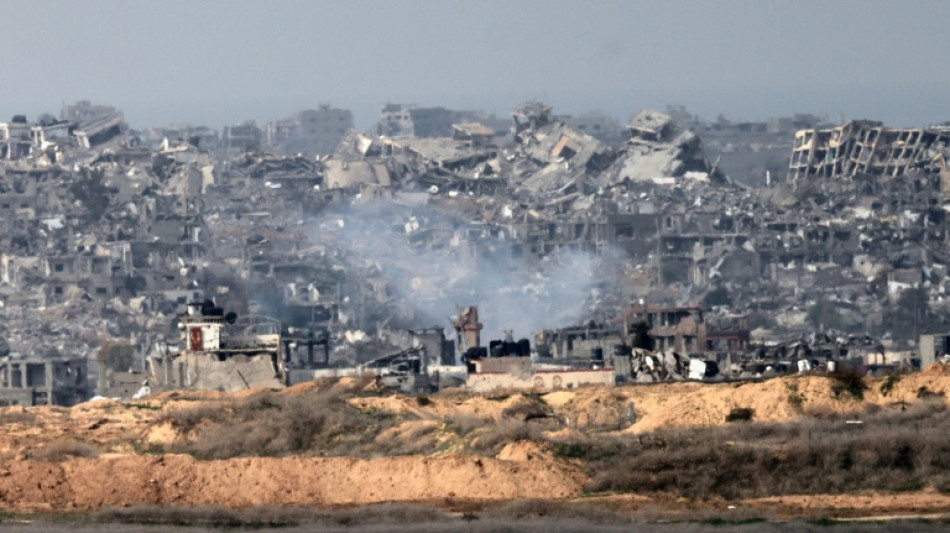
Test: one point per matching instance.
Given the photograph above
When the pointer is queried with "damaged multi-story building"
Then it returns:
(44, 381)
(868, 148)
(309, 132)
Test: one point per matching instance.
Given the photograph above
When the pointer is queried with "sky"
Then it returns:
(217, 62)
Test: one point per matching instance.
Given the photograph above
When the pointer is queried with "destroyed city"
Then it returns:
(497, 316)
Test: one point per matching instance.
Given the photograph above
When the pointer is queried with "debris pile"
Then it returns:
(654, 367)
(108, 232)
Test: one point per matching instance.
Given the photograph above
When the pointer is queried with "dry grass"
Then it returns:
(62, 449)
(463, 425)
(268, 424)
(494, 437)
(16, 416)
(525, 409)
(531, 516)
(260, 517)
(324, 423)
(406, 439)
(547, 509)
(888, 451)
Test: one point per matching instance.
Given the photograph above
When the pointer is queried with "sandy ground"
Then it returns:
(80, 484)
(686, 404)
(127, 473)
(858, 506)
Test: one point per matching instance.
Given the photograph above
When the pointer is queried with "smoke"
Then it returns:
(434, 263)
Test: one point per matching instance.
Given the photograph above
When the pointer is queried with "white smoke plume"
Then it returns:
(435, 263)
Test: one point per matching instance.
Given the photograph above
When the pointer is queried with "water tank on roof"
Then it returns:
(496, 348)
(524, 348)
(476, 352)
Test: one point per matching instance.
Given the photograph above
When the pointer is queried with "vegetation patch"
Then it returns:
(17, 416)
(60, 450)
(923, 393)
(272, 425)
(848, 380)
(740, 414)
(889, 451)
(887, 387)
(268, 516)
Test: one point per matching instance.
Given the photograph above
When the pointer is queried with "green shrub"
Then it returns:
(887, 387)
(850, 380)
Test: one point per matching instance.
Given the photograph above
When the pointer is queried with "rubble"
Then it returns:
(655, 367)
(109, 232)
(866, 147)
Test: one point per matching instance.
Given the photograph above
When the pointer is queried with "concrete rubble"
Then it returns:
(549, 223)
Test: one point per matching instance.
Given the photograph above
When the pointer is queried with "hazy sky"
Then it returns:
(218, 62)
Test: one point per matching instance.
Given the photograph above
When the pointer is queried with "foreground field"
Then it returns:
(795, 448)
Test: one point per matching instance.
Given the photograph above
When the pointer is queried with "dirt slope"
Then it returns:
(678, 404)
(858, 505)
(173, 479)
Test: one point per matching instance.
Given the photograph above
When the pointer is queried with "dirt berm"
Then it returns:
(80, 484)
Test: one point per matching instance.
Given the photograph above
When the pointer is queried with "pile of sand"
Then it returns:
(235, 483)
(936, 369)
(691, 404)
(524, 450)
(443, 406)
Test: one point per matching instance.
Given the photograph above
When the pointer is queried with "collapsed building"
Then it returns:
(429, 363)
(685, 329)
(218, 351)
(659, 151)
(309, 132)
(507, 364)
(81, 125)
(108, 233)
(402, 120)
(866, 147)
